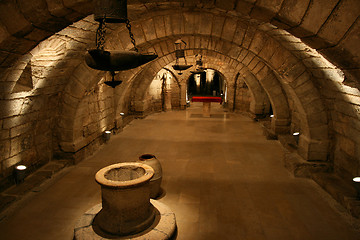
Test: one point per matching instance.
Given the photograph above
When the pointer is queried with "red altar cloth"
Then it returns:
(207, 99)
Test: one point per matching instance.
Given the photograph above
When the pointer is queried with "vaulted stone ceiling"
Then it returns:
(331, 27)
(273, 46)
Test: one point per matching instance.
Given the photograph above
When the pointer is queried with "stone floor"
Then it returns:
(221, 176)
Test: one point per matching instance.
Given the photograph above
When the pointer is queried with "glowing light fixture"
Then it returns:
(122, 114)
(107, 135)
(21, 167)
(199, 65)
(20, 173)
(180, 53)
(296, 136)
(356, 182)
(271, 116)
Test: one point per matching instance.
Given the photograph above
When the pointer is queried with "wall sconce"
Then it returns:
(107, 135)
(356, 182)
(20, 173)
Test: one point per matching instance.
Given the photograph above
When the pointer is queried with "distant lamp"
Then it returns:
(356, 182)
(122, 114)
(199, 65)
(180, 53)
(20, 173)
(271, 115)
(107, 135)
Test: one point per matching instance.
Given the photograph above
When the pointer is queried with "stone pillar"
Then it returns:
(183, 88)
(197, 81)
(280, 126)
(313, 150)
(139, 106)
(206, 109)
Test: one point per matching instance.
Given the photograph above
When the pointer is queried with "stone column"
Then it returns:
(183, 88)
(206, 109)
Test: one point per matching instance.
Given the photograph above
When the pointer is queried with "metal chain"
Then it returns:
(100, 35)
(128, 25)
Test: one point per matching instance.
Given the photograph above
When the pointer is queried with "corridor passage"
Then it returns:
(221, 177)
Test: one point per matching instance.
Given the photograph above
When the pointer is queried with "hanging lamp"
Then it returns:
(199, 65)
(113, 11)
(180, 53)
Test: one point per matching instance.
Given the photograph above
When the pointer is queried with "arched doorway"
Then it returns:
(207, 83)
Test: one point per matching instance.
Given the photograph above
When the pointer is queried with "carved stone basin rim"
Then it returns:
(124, 175)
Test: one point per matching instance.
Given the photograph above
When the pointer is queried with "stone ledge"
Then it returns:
(301, 168)
(268, 132)
(322, 173)
(31, 184)
(342, 191)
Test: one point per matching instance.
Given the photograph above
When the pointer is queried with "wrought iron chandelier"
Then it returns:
(199, 65)
(180, 53)
(113, 11)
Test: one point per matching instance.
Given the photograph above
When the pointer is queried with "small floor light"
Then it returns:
(107, 135)
(19, 173)
(356, 182)
(296, 136)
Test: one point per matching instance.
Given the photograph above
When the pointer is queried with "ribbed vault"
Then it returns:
(240, 39)
(329, 27)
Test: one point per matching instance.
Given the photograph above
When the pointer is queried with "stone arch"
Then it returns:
(82, 80)
(302, 79)
(308, 20)
(248, 50)
(261, 99)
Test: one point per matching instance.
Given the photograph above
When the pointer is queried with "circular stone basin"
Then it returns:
(124, 175)
(125, 192)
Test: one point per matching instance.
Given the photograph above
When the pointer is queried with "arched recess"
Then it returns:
(261, 100)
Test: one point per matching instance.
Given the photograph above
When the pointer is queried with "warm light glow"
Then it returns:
(296, 133)
(108, 132)
(21, 167)
(122, 114)
(271, 116)
(356, 179)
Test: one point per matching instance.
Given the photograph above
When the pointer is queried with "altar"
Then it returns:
(206, 103)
